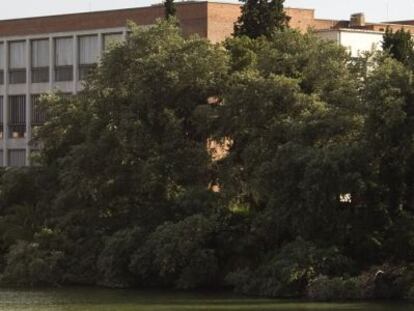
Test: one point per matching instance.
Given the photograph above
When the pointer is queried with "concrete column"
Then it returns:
(75, 64)
(5, 101)
(100, 46)
(51, 63)
(28, 99)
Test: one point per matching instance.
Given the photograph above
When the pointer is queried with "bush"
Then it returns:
(387, 282)
(114, 259)
(382, 282)
(289, 271)
(178, 254)
(27, 264)
(328, 289)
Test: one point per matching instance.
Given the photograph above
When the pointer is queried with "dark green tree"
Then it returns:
(261, 18)
(170, 8)
(130, 153)
(389, 131)
(281, 102)
(400, 45)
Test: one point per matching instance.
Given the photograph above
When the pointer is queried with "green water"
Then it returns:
(123, 300)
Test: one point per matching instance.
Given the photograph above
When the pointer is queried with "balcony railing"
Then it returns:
(17, 76)
(40, 75)
(64, 73)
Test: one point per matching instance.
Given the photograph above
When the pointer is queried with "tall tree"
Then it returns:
(276, 108)
(170, 8)
(400, 45)
(261, 18)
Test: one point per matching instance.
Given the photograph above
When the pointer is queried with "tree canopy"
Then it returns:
(311, 194)
(400, 45)
(261, 18)
(170, 8)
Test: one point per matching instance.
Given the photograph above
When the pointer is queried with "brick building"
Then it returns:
(55, 52)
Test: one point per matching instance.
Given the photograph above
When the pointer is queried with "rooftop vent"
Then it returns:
(357, 20)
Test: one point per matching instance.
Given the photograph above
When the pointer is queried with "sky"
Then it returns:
(375, 10)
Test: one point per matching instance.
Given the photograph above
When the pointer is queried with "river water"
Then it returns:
(91, 299)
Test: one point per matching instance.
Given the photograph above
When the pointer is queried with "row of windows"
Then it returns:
(41, 75)
(17, 115)
(63, 58)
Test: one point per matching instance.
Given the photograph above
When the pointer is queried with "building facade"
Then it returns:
(56, 53)
(356, 41)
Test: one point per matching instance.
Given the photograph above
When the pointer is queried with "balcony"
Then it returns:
(17, 131)
(40, 75)
(17, 76)
(64, 73)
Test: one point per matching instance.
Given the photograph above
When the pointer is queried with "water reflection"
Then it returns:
(90, 299)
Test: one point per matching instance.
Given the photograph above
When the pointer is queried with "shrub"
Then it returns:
(289, 271)
(387, 281)
(380, 282)
(27, 264)
(114, 259)
(328, 289)
(178, 254)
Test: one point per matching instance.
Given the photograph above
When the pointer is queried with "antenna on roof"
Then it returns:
(388, 10)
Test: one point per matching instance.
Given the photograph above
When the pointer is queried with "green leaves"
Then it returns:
(400, 46)
(123, 195)
(261, 18)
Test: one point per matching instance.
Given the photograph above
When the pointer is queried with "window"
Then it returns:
(17, 62)
(64, 59)
(17, 157)
(111, 39)
(88, 55)
(40, 61)
(1, 63)
(17, 116)
(38, 116)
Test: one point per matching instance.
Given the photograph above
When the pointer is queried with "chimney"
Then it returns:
(357, 20)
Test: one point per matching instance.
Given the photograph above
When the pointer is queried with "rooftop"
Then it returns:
(211, 19)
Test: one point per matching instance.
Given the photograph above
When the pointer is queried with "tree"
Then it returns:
(137, 147)
(170, 8)
(389, 132)
(261, 18)
(400, 45)
(129, 151)
(169, 260)
(294, 122)
(317, 180)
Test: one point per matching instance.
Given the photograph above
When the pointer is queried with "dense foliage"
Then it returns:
(399, 44)
(261, 18)
(170, 8)
(275, 166)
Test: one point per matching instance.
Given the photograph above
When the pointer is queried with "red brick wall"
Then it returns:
(301, 19)
(191, 15)
(221, 19)
(394, 27)
(212, 20)
(411, 22)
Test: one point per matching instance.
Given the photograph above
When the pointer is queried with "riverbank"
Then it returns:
(94, 299)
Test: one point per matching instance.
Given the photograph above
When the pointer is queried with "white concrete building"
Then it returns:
(356, 41)
(47, 53)
(33, 65)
